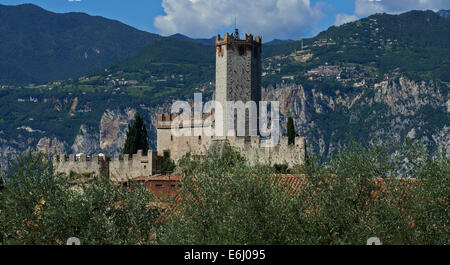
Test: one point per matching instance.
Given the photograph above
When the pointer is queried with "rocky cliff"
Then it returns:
(395, 109)
(108, 136)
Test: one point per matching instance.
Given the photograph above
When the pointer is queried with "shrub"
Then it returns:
(40, 207)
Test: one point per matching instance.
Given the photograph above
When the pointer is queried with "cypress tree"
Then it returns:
(136, 137)
(290, 131)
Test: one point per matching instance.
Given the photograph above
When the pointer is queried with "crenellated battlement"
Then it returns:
(258, 150)
(118, 168)
(138, 156)
(233, 42)
(78, 158)
(138, 165)
(234, 39)
(80, 164)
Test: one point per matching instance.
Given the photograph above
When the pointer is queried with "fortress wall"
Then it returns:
(256, 152)
(118, 169)
(123, 168)
(79, 165)
(253, 148)
(179, 146)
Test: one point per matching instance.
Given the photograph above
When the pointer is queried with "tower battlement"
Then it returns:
(164, 120)
(243, 46)
(231, 38)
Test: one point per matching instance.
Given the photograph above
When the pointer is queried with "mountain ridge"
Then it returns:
(53, 46)
(209, 42)
(333, 87)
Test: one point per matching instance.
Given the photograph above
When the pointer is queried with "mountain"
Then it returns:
(444, 13)
(209, 42)
(38, 46)
(415, 43)
(168, 50)
(212, 41)
(172, 68)
(278, 41)
(383, 76)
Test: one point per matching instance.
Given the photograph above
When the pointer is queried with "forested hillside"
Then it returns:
(38, 46)
(382, 76)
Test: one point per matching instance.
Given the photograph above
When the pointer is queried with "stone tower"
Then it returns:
(238, 73)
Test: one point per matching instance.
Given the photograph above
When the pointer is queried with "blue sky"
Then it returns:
(204, 18)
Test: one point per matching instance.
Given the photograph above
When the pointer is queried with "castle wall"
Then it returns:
(181, 145)
(78, 165)
(123, 168)
(118, 169)
(255, 151)
(238, 79)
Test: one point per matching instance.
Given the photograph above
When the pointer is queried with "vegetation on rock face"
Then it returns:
(136, 137)
(163, 71)
(290, 131)
(223, 200)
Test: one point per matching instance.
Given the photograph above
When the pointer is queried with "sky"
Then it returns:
(281, 19)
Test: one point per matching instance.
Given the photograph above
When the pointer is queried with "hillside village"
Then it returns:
(369, 35)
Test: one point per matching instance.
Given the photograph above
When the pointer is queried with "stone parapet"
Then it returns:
(117, 169)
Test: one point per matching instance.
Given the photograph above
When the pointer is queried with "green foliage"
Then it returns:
(40, 46)
(281, 168)
(224, 201)
(167, 164)
(39, 207)
(346, 200)
(290, 131)
(420, 43)
(136, 137)
(362, 192)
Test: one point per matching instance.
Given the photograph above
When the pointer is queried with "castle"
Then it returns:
(238, 79)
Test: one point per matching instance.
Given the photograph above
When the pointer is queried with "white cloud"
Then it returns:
(366, 7)
(269, 18)
(344, 18)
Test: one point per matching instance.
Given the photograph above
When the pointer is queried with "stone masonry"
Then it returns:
(238, 78)
(118, 169)
(238, 71)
